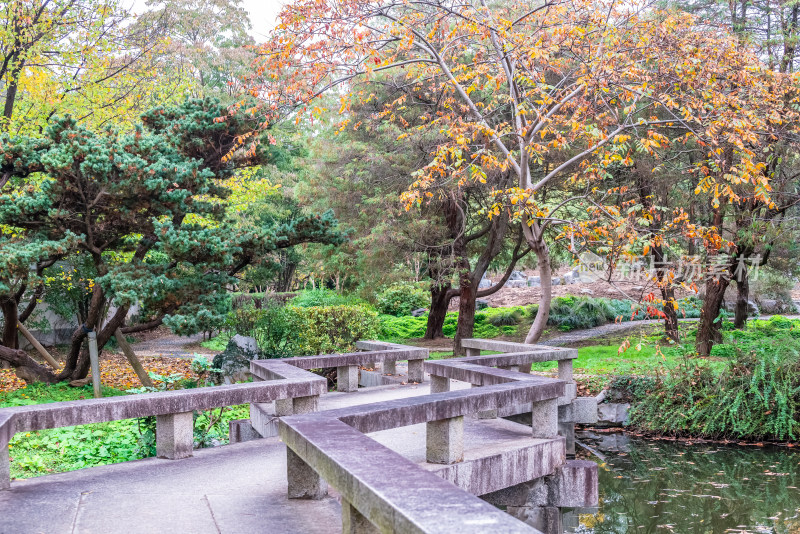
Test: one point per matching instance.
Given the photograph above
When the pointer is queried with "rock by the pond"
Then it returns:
(481, 304)
(534, 281)
(516, 283)
(612, 414)
(569, 278)
(587, 291)
(419, 312)
(484, 283)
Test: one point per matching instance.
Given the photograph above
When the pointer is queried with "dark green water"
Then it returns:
(661, 487)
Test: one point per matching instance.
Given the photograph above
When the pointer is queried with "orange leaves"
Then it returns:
(9, 381)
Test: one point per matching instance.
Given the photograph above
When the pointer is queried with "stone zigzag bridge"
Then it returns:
(406, 456)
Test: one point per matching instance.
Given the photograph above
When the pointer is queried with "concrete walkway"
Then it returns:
(232, 489)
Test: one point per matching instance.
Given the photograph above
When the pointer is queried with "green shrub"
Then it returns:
(325, 297)
(570, 313)
(756, 396)
(402, 298)
(506, 317)
(401, 328)
(330, 329)
(771, 284)
(722, 350)
(273, 332)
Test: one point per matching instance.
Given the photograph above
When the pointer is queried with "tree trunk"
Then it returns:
(708, 330)
(466, 311)
(667, 292)
(10, 320)
(440, 301)
(546, 280)
(742, 299)
(136, 365)
(670, 314)
(26, 367)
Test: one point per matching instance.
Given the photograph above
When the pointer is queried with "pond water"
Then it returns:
(662, 486)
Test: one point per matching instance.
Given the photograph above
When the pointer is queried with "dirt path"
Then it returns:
(171, 346)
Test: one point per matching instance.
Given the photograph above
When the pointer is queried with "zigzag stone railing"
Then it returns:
(519, 357)
(173, 411)
(284, 381)
(383, 491)
(331, 445)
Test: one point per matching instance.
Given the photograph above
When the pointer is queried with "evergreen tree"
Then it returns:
(148, 208)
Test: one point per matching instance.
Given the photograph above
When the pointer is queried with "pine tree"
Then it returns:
(148, 208)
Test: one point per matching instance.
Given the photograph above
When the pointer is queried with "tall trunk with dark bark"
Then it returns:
(441, 293)
(10, 318)
(709, 328)
(742, 299)
(466, 309)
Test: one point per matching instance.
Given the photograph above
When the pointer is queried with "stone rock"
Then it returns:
(234, 362)
(245, 344)
(516, 283)
(771, 306)
(516, 275)
(81, 382)
(556, 281)
(481, 304)
(419, 312)
(587, 291)
(534, 281)
(567, 279)
(484, 283)
(638, 288)
(613, 413)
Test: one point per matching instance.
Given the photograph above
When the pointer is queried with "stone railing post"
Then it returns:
(389, 367)
(416, 371)
(175, 435)
(439, 384)
(347, 378)
(544, 418)
(304, 482)
(471, 352)
(565, 374)
(445, 441)
(5, 467)
(354, 522)
(486, 414)
(296, 405)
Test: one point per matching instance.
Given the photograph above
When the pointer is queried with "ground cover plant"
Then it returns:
(751, 390)
(70, 448)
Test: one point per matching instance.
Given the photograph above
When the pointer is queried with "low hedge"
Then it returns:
(298, 331)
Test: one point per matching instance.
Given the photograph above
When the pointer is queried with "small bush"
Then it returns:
(507, 317)
(325, 297)
(402, 298)
(770, 284)
(571, 313)
(400, 328)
